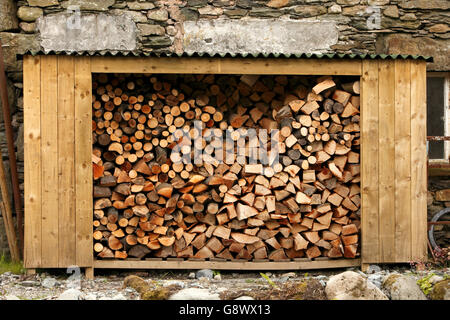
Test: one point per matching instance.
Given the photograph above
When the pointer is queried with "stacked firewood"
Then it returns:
(175, 172)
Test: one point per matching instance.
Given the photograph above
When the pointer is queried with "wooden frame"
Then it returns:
(446, 93)
(58, 172)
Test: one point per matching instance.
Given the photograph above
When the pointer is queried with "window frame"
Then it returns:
(446, 76)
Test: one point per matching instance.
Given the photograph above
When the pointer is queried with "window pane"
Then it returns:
(435, 115)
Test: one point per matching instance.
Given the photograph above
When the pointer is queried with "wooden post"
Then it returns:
(7, 215)
(89, 273)
(31, 271)
(11, 153)
(364, 267)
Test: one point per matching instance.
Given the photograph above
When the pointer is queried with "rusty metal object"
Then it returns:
(438, 138)
(435, 221)
(439, 165)
(11, 152)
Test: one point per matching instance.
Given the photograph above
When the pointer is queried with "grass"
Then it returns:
(7, 265)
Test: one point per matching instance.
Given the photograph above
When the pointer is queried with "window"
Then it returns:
(437, 114)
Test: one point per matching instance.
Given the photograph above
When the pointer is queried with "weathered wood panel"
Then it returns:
(418, 162)
(49, 160)
(402, 129)
(370, 244)
(386, 161)
(32, 160)
(83, 161)
(66, 161)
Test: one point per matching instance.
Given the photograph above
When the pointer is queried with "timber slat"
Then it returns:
(66, 161)
(83, 160)
(32, 161)
(386, 161)
(49, 160)
(402, 160)
(418, 162)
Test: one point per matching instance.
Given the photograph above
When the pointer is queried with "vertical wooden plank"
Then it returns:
(66, 161)
(83, 159)
(386, 158)
(369, 162)
(402, 160)
(418, 161)
(32, 160)
(49, 156)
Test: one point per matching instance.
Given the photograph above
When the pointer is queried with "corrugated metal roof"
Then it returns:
(235, 55)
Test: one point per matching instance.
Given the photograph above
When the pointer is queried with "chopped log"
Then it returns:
(277, 255)
(350, 251)
(144, 196)
(313, 252)
(323, 85)
(138, 251)
(165, 190)
(244, 238)
(166, 241)
(204, 253)
(312, 236)
(244, 211)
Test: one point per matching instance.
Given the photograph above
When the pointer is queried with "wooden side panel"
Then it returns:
(370, 245)
(66, 161)
(49, 160)
(83, 162)
(32, 160)
(386, 160)
(402, 160)
(418, 162)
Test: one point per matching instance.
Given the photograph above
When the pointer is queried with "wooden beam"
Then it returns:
(227, 265)
(198, 65)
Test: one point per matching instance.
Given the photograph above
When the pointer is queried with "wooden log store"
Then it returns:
(105, 186)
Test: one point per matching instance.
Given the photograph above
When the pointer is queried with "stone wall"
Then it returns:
(281, 26)
(438, 199)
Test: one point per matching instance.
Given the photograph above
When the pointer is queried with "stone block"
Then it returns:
(8, 17)
(140, 5)
(29, 14)
(151, 29)
(244, 36)
(16, 43)
(112, 32)
(425, 4)
(42, 3)
(92, 5)
(407, 44)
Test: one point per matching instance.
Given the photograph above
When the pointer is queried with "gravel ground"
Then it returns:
(108, 285)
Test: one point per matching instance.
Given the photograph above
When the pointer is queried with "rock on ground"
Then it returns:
(70, 294)
(350, 285)
(194, 294)
(402, 287)
(204, 273)
(441, 290)
(48, 282)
